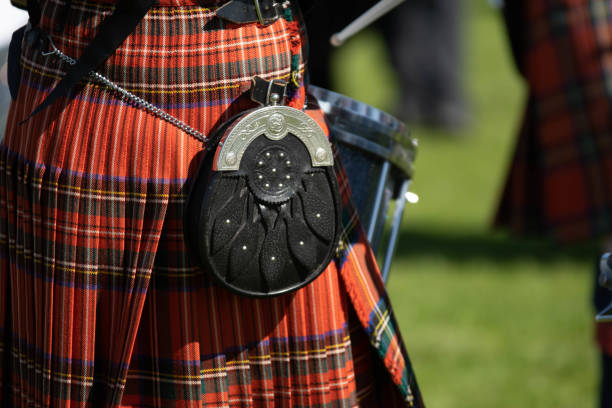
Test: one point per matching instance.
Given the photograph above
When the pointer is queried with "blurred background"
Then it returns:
(488, 320)
(11, 18)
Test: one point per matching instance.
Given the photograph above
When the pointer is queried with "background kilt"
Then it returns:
(560, 181)
(100, 305)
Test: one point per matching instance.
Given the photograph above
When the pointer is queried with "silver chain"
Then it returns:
(136, 100)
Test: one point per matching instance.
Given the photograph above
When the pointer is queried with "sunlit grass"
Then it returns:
(485, 335)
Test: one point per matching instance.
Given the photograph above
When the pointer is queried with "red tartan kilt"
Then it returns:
(100, 304)
(560, 181)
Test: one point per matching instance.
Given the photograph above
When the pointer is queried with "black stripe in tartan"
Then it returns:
(85, 377)
(263, 363)
(173, 94)
(351, 229)
(88, 267)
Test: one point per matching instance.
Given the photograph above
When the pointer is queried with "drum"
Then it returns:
(378, 154)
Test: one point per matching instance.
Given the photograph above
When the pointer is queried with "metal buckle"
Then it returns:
(274, 95)
(268, 93)
(260, 18)
(264, 12)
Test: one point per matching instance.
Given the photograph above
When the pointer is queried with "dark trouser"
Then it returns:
(605, 390)
(602, 298)
(424, 41)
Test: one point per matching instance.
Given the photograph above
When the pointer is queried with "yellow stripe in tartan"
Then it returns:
(166, 10)
(382, 320)
(236, 362)
(185, 91)
(111, 193)
(117, 193)
(138, 90)
(373, 305)
(39, 72)
(302, 353)
(156, 91)
(382, 317)
(59, 374)
(55, 266)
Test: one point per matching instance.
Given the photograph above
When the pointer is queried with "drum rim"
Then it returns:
(401, 150)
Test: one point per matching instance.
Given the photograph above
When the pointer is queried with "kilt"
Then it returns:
(100, 303)
(560, 180)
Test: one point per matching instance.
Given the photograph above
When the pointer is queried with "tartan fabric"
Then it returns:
(560, 181)
(23, 4)
(100, 305)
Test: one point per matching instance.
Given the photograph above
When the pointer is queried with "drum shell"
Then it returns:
(378, 153)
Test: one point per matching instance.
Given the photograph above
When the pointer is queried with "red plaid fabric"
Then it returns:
(100, 305)
(560, 182)
(22, 4)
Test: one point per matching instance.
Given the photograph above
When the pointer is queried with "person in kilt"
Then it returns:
(560, 181)
(100, 303)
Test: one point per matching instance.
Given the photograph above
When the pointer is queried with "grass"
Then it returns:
(489, 320)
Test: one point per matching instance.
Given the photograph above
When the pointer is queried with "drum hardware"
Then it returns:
(412, 198)
(374, 13)
(396, 223)
(378, 155)
(605, 280)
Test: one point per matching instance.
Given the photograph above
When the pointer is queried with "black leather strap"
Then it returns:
(33, 12)
(262, 90)
(113, 31)
(13, 66)
(251, 11)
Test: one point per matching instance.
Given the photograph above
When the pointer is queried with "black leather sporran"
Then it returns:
(263, 214)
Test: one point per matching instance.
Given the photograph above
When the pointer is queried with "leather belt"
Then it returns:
(264, 12)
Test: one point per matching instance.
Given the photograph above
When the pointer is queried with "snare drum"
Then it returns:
(378, 154)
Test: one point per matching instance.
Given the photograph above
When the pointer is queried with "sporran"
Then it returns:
(263, 215)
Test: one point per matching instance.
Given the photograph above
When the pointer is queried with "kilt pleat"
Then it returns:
(560, 179)
(100, 302)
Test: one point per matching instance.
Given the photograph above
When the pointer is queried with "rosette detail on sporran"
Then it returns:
(263, 215)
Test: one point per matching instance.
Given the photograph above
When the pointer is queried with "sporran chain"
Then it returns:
(136, 100)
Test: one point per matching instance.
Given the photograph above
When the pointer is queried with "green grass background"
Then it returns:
(489, 320)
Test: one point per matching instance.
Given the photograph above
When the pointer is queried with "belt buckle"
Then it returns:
(261, 19)
(264, 12)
